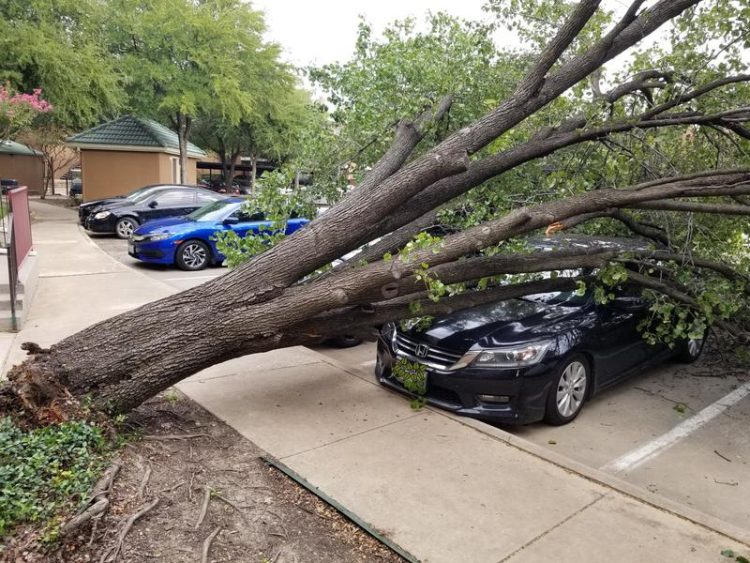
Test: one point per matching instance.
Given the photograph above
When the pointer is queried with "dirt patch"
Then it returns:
(256, 513)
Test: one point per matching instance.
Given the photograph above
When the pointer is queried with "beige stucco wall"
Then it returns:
(110, 173)
(28, 170)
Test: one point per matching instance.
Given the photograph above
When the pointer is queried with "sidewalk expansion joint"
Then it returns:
(77, 274)
(343, 438)
(552, 529)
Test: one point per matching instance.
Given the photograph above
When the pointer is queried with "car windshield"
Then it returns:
(142, 194)
(564, 298)
(215, 211)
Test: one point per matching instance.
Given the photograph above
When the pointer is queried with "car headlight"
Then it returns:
(389, 333)
(512, 356)
(158, 237)
(102, 215)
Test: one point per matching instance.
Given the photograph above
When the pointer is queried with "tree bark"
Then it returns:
(275, 299)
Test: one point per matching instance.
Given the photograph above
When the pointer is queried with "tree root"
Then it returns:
(144, 481)
(207, 544)
(175, 436)
(204, 506)
(112, 553)
(97, 503)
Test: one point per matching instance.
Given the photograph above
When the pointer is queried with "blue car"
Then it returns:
(188, 241)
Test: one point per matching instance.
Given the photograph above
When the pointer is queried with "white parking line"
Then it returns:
(368, 363)
(637, 457)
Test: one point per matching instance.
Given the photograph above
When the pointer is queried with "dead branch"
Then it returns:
(207, 544)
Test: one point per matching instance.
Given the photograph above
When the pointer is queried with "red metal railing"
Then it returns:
(21, 227)
(20, 242)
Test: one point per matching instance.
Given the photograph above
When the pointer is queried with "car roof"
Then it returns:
(560, 242)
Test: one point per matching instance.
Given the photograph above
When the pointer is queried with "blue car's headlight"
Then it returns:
(159, 236)
(511, 357)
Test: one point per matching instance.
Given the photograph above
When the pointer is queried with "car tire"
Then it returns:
(193, 255)
(569, 391)
(125, 227)
(346, 341)
(690, 350)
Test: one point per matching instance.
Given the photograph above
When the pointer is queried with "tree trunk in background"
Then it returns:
(183, 132)
(253, 173)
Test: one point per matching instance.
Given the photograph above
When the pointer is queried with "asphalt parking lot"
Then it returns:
(677, 431)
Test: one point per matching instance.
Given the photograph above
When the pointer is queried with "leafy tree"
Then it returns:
(56, 45)
(560, 106)
(184, 59)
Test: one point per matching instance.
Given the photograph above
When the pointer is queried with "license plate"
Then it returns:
(131, 248)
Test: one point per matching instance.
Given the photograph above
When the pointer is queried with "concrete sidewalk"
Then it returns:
(443, 488)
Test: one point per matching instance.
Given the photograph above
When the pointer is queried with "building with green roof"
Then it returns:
(127, 153)
(21, 163)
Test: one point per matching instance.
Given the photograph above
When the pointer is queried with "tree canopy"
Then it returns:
(655, 146)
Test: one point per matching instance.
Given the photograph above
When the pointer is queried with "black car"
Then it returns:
(122, 215)
(524, 360)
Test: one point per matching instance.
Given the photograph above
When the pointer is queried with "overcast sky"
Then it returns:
(324, 31)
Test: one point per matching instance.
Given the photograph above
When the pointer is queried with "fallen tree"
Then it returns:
(280, 298)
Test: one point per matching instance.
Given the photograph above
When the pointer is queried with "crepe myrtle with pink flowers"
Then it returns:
(18, 109)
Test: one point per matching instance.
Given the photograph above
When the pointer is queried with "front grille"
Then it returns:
(436, 357)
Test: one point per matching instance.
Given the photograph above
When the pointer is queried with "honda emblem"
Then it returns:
(422, 350)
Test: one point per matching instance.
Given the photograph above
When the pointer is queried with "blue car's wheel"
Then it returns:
(192, 255)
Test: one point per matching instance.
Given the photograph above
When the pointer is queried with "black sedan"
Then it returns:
(122, 215)
(524, 360)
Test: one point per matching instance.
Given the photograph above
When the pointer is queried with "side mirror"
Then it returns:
(153, 204)
(231, 220)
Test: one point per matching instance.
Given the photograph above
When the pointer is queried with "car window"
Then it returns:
(176, 198)
(215, 211)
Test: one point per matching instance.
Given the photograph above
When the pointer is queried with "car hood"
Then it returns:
(103, 202)
(169, 224)
(498, 324)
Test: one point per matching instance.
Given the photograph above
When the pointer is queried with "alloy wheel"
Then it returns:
(125, 228)
(571, 389)
(194, 256)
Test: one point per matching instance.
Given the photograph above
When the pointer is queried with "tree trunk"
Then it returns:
(183, 132)
(275, 300)
(253, 173)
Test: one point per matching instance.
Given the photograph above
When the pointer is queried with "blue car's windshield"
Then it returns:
(215, 211)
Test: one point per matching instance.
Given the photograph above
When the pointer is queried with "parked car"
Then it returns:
(523, 360)
(124, 215)
(189, 242)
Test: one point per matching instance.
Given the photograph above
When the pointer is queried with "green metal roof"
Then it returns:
(130, 131)
(11, 147)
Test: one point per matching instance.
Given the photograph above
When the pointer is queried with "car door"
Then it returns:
(620, 346)
(172, 202)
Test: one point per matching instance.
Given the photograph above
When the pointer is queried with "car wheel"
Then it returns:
(125, 227)
(566, 397)
(346, 341)
(690, 350)
(192, 255)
